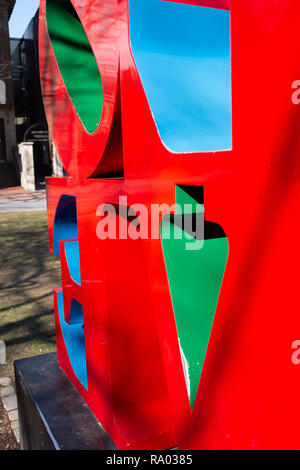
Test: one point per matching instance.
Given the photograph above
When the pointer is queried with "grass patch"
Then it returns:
(28, 275)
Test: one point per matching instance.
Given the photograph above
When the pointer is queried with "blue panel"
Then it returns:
(72, 256)
(76, 313)
(65, 223)
(74, 340)
(182, 53)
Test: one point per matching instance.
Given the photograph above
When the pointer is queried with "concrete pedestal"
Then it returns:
(52, 415)
(26, 166)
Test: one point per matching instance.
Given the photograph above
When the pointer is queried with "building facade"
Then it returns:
(35, 151)
(7, 113)
(29, 108)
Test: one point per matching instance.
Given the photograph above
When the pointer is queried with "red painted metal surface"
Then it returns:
(248, 394)
(81, 152)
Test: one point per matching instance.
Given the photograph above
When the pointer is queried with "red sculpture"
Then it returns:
(168, 344)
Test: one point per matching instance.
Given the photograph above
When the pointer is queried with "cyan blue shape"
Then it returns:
(73, 262)
(182, 53)
(65, 222)
(74, 339)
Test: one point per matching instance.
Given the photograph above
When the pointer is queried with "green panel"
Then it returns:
(76, 62)
(195, 279)
(183, 198)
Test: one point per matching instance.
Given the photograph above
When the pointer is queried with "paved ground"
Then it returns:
(16, 199)
(9, 422)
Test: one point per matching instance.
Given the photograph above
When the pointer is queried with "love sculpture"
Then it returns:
(179, 340)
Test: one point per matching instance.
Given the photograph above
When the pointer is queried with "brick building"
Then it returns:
(7, 114)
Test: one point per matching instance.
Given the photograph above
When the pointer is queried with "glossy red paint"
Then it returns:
(248, 393)
(82, 153)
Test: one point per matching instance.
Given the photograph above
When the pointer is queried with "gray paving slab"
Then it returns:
(5, 381)
(6, 391)
(13, 415)
(10, 402)
(15, 425)
(17, 434)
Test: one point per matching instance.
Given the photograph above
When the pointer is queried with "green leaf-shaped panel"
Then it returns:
(195, 278)
(76, 62)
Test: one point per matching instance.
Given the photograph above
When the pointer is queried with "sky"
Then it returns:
(23, 12)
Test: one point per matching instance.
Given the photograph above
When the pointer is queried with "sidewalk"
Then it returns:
(16, 199)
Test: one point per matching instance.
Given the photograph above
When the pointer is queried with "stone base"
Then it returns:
(26, 166)
(52, 414)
